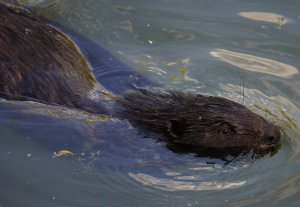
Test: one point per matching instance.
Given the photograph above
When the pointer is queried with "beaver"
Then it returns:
(39, 62)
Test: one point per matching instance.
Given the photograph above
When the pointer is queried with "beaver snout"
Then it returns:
(271, 134)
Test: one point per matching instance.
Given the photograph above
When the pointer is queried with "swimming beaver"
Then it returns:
(39, 62)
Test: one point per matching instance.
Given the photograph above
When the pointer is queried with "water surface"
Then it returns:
(209, 47)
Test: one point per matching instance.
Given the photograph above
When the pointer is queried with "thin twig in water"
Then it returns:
(243, 92)
(242, 88)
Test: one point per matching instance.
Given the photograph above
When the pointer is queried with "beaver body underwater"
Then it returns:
(38, 62)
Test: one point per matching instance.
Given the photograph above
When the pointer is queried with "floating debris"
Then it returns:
(62, 153)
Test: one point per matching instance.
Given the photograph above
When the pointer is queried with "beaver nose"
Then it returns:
(271, 134)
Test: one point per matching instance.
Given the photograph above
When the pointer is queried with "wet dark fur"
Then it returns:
(39, 62)
(201, 121)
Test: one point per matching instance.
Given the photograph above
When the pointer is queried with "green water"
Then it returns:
(210, 47)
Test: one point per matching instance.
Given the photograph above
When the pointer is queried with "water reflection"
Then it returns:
(198, 177)
(255, 63)
(123, 9)
(266, 17)
(58, 112)
(125, 25)
(190, 183)
(163, 35)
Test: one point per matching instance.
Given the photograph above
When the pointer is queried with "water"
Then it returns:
(212, 47)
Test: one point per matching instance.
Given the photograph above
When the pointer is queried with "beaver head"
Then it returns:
(200, 121)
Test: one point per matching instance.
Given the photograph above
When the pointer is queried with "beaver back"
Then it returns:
(38, 61)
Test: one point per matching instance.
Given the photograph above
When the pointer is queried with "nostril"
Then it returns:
(271, 140)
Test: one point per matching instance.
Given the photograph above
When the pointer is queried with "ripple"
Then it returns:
(164, 35)
(124, 25)
(58, 112)
(195, 176)
(173, 185)
(266, 17)
(254, 63)
(123, 9)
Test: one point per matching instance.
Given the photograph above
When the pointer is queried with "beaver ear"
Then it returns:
(176, 128)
